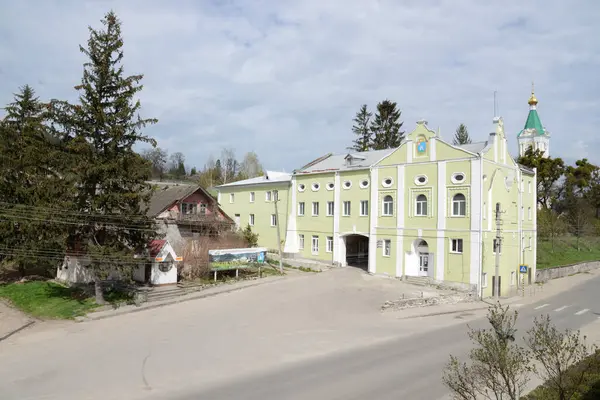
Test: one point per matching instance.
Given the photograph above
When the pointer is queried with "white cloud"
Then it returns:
(284, 78)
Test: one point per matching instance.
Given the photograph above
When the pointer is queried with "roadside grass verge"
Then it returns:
(564, 251)
(589, 389)
(47, 300)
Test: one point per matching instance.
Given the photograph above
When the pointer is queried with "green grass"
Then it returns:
(564, 251)
(47, 300)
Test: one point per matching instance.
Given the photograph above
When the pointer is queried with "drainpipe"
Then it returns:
(480, 272)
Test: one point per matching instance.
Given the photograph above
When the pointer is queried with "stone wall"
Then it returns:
(544, 275)
(453, 298)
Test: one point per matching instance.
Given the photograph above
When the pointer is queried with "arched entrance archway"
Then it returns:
(355, 251)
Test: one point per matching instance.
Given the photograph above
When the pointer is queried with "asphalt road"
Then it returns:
(317, 336)
(406, 368)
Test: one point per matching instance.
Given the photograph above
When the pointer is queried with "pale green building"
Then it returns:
(424, 210)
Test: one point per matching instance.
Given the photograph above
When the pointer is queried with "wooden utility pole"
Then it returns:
(276, 200)
(497, 249)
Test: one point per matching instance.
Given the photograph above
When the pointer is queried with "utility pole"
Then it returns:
(497, 249)
(276, 200)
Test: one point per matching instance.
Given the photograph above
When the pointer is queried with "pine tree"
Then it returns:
(462, 135)
(32, 180)
(364, 135)
(386, 126)
(105, 127)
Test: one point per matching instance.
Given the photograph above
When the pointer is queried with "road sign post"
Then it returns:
(523, 272)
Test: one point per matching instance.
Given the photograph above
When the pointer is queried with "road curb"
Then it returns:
(444, 313)
(120, 311)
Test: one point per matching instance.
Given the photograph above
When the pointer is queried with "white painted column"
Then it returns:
(440, 256)
(409, 151)
(291, 234)
(475, 217)
(533, 264)
(400, 220)
(432, 149)
(219, 197)
(337, 254)
(374, 198)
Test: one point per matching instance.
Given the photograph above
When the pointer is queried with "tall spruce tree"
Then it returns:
(386, 126)
(364, 135)
(112, 190)
(461, 136)
(32, 180)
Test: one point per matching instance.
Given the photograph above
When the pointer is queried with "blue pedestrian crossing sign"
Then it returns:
(523, 269)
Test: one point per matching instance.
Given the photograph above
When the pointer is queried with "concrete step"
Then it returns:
(418, 280)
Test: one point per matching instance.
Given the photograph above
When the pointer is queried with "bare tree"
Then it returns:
(250, 167)
(158, 159)
(177, 165)
(228, 164)
(580, 217)
(498, 368)
(551, 225)
(555, 352)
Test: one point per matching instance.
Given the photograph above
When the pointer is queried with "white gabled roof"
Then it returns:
(268, 177)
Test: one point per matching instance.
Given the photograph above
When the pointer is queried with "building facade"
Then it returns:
(424, 209)
(534, 135)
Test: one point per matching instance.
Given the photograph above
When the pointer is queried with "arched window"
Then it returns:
(388, 205)
(459, 205)
(421, 205)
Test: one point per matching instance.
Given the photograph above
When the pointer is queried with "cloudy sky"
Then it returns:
(284, 78)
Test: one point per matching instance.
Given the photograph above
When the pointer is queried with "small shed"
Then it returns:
(161, 268)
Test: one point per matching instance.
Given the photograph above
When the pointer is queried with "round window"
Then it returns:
(459, 177)
(330, 186)
(347, 184)
(387, 182)
(420, 180)
(315, 187)
(165, 266)
(364, 183)
(301, 187)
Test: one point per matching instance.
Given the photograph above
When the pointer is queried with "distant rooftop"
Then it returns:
(268, 177)
(476, 147)
(345, 162)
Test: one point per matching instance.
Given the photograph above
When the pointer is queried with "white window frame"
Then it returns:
(513, 278)
(364, 208)
(315, 186)
(387, 185)
(315, 208)
(347, 208)
(347, 185)
(189, 208)
(484, 211)
(330, 186)
(529, 213)
(251, 219)
(484, 280)
(458, 181)
(231, 198)
(458, 203)
(301, 208)
(314, 248)
(301, 187)
(252, 197)
(456, 246)
(522, 213)
(275, 195)
(387, 248)
(330, 208)
(268, 195)
(419, 210)
(529, 186)
(301, 241)
(364, 185)
(273, 220)
(329, 244)
(494, 246)
(387, 207)
(418, 182)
